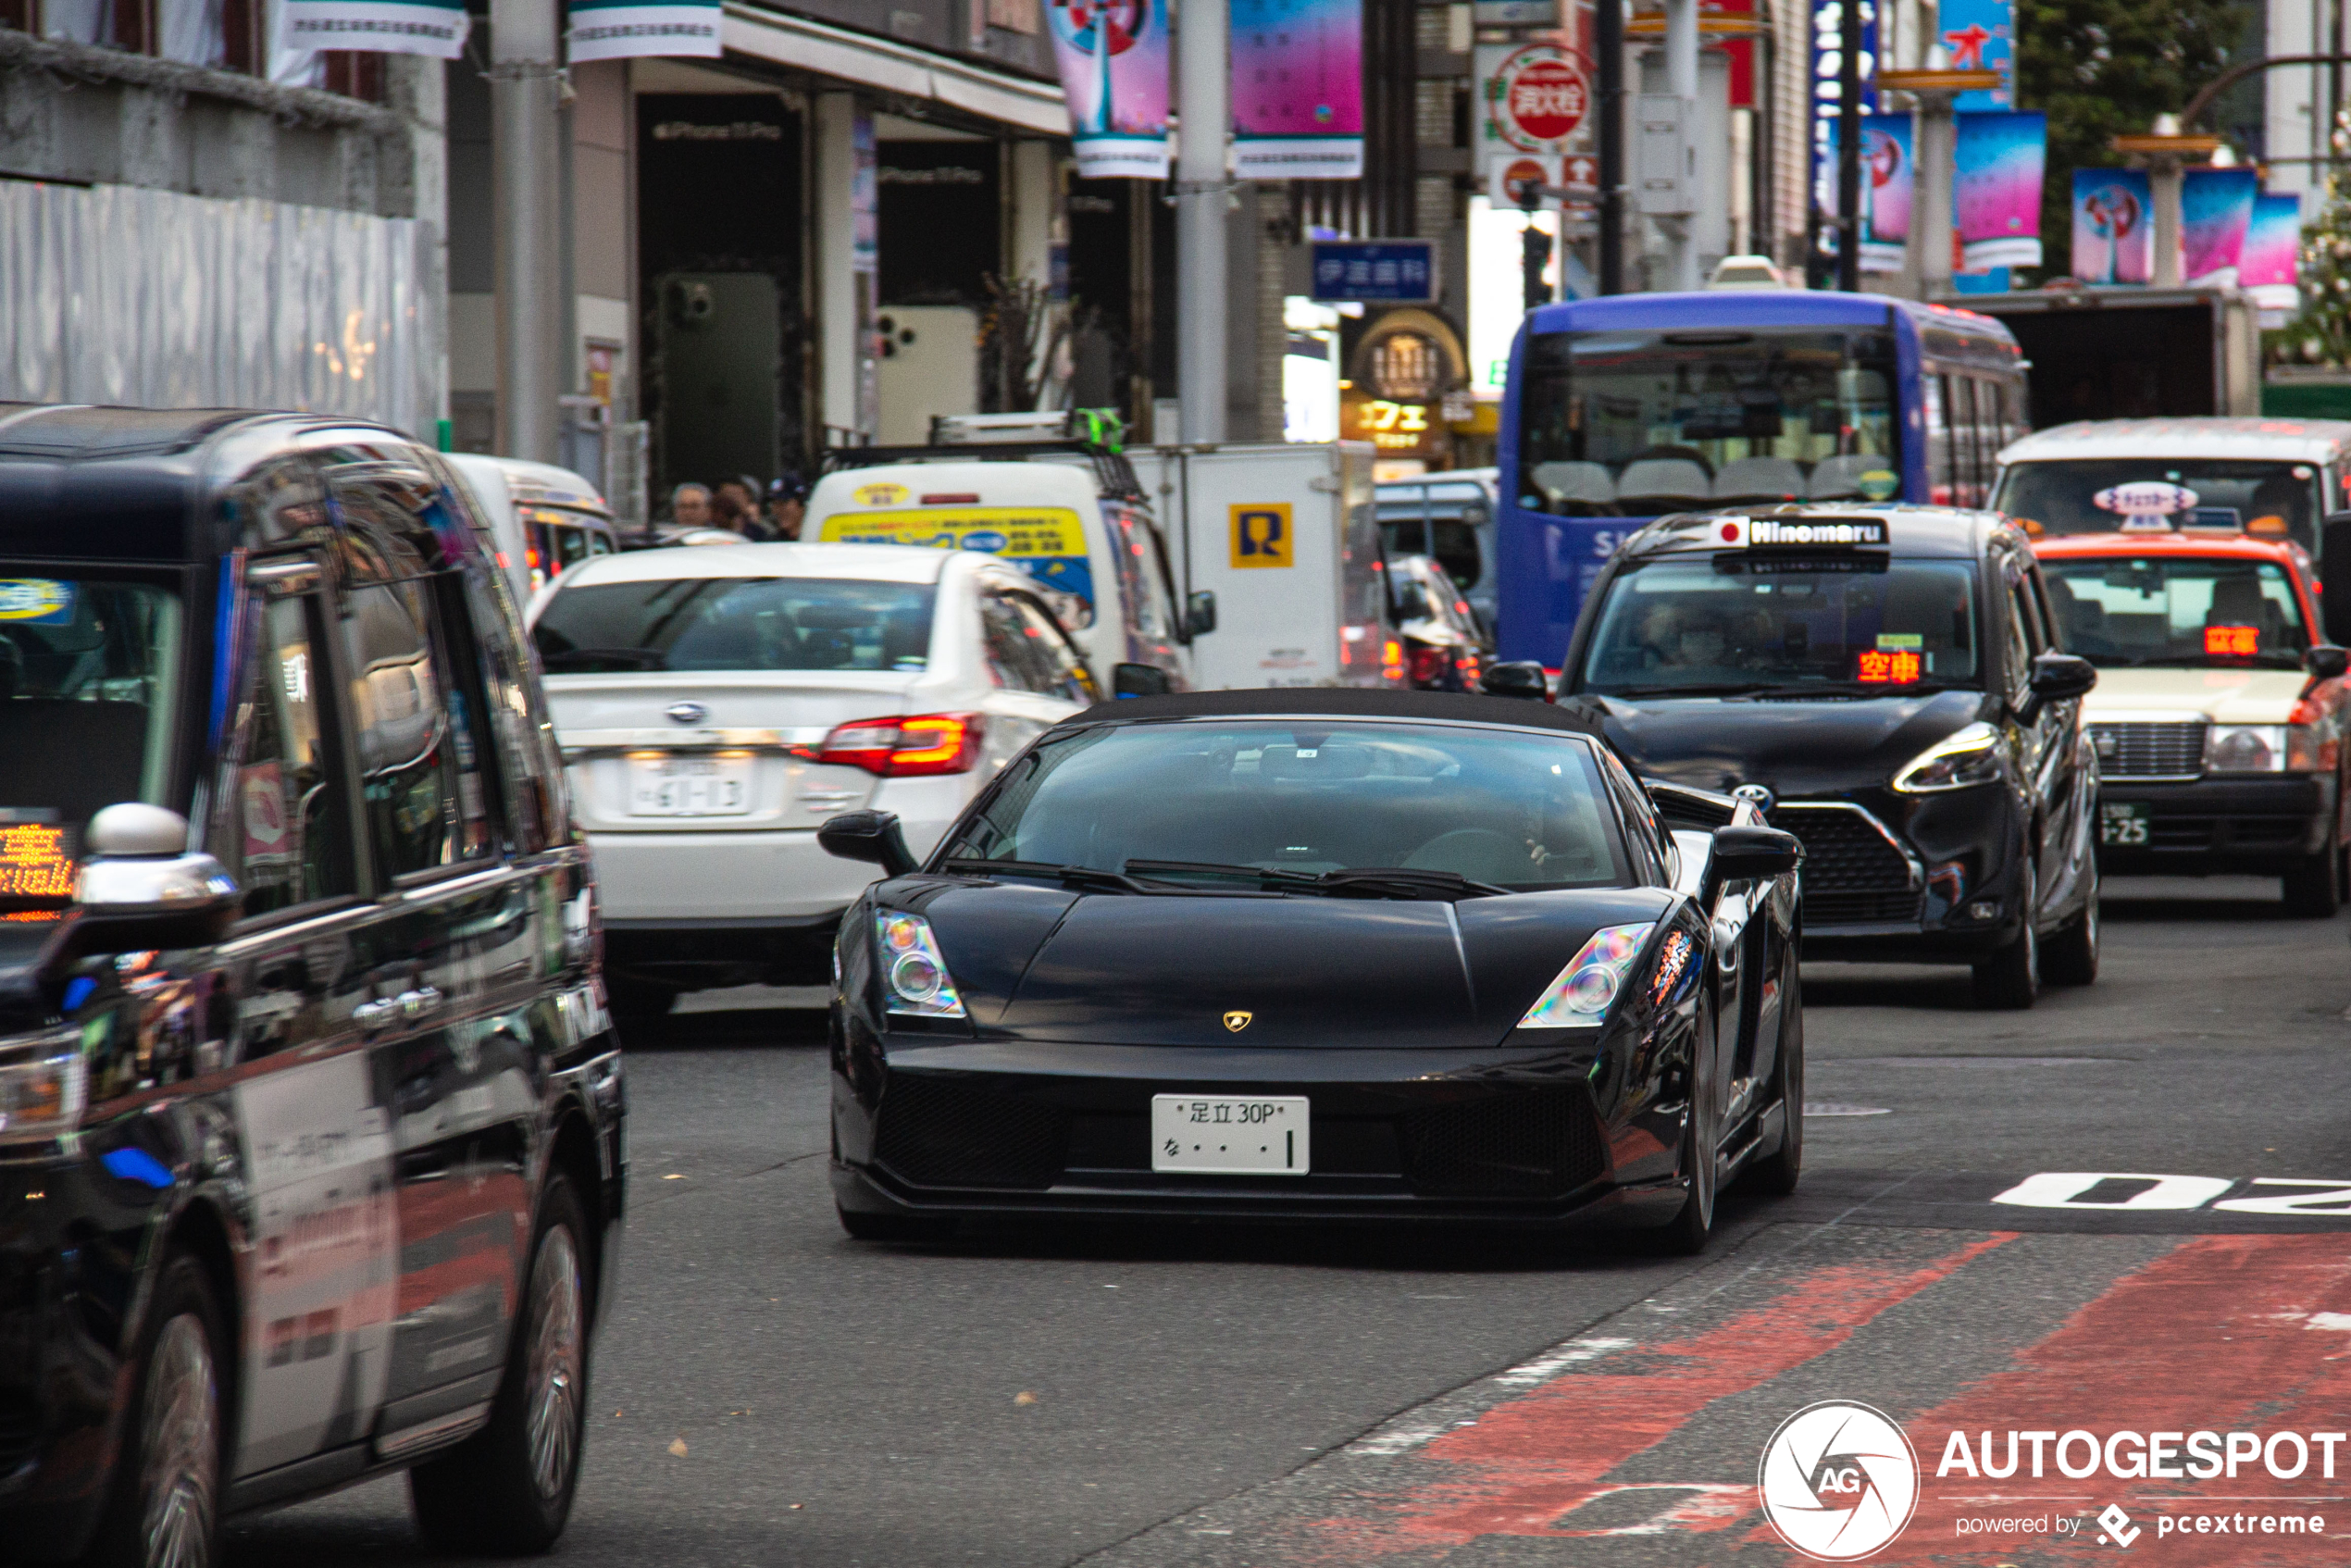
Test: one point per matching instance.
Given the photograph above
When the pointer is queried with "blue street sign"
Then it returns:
(1375, 271)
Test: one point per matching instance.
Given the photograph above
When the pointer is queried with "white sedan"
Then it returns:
(716, 704)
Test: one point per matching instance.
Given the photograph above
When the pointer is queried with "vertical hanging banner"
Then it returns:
(1888, 184)
(1298, 88)
(2216, 208)
(1995, 193)
(1980, 35)
(2273, 248)
(379, 27)
(621, 30)
(2113, 223)
(1112, 56)
(1828, 58)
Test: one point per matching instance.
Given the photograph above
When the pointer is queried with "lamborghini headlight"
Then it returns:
(1584, 988)
(915, 976)
(1966, 757)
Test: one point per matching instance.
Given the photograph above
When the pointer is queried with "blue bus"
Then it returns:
(1623, 409)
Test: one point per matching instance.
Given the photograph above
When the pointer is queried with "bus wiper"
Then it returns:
(1086, 878)
(1363, 881)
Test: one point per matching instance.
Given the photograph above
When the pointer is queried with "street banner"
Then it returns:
(620, 30)
(376, 27)
(1534, 103)
(1995, 190)
(1980, 35)
(1828, 55)
(2113, 223)
(1298, 88)
(1112, 56)
(2272, 250)
(2216, 208)
(1888, 186)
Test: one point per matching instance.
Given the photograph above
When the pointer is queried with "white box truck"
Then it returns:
(1285, 537)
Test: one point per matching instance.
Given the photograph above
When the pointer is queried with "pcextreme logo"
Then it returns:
(1838, 1480)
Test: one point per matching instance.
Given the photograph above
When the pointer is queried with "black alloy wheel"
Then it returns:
(2071, 956)
(2011, 979)
(166, 1508)
(507, 1491)
(1776, 1172)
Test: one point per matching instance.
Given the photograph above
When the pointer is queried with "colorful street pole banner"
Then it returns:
(437, 28)
(1112, 56)
(2113, 226)
(1298, 88)
(1888, 188)
(621, 30)
(2272, 251)
(2216, 208)
(1980, 35)
(1828, 56)
(1996, 190)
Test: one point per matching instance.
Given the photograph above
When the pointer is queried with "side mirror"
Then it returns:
(1519, 678)
(1746, 854)
(870, 836)
(1200, 614)
(2326, 660)
(140, 887)
(2334, 577)
(2061, 677)
(1138, 680)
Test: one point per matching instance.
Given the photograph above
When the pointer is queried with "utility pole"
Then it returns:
(1203, 107)
(526, 194)
(1848, 147)
(1608, 41)
(1681, 82)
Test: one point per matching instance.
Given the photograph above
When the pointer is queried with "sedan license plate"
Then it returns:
(2123, 822)
(1228, 1134)
(689, 786)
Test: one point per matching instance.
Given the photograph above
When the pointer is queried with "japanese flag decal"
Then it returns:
(1729, 532)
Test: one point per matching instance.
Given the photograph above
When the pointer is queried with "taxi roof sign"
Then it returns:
(1796, 533)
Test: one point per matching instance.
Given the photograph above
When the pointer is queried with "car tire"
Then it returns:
(2011, 979)
(507, 1491)
(1777, 1172)
(894, 1228)
(164, 1509)
(2313, 889)
(2071, 956)
(1686, 1234)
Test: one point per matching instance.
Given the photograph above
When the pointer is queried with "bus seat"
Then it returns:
(1675, 481)
(1839, 478)
(1759, 478)
(1575, 481)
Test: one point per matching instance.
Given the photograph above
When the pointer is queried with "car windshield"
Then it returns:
(736, 624)
(2195, 610)
(1737, 624)
(88, 674)
(2138, 494)
(1508, 808)
(1635, 424)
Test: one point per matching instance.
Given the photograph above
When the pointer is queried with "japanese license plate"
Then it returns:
(1229, 1135)
(2123, 822)
(688, 786)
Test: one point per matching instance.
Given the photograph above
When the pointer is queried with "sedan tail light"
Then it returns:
(1428, 663)
(911, 746)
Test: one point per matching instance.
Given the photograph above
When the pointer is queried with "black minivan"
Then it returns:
(1887, 681)
(311, 1163)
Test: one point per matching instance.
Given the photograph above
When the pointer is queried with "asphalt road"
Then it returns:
(768, 1392)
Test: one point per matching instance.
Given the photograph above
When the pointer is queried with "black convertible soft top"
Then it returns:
(1345, 702)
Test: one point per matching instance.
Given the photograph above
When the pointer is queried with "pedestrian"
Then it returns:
(788, 506)
(690, 506)
(735, 506)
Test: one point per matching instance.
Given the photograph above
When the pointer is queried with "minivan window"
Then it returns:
(736, 624)
(88, 682)
(2106, 494)
(420, 757)
(286, 841)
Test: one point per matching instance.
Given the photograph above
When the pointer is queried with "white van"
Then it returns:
(545, 518)
(1077, 523)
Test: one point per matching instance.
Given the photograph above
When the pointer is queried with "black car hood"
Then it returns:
(1797, 748)
(1310, 971)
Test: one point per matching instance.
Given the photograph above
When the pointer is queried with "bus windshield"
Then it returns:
(1638, 423)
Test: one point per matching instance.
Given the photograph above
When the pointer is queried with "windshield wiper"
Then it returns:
(1701, 689)
(1363, 881)
(1855, 688)
(1086, 878)
(642, 658)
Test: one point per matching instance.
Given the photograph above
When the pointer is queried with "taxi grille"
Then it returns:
(1859, 909)
(937, 1134)
(2151, 750)
(1853, 875)
(1528, 1144)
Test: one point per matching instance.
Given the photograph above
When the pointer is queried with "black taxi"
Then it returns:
(311, 1163)
(1888, 684)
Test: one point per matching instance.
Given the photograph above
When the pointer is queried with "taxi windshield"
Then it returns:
(89, 671)
(1737, 624)
(1202, 801)
(2203, 610)
(2159, 495)
(735, 624)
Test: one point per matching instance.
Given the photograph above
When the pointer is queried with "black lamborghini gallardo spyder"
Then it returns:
(1317, 954)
